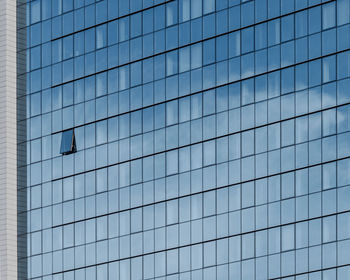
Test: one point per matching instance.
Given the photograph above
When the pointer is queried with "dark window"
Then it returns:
(68, 142)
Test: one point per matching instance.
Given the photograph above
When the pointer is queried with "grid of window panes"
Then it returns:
(212, 139)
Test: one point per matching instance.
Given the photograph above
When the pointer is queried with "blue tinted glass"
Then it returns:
(213, 139)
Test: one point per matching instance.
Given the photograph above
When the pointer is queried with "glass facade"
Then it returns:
(212, 139)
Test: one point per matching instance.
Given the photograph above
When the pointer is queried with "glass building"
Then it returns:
(185, 140)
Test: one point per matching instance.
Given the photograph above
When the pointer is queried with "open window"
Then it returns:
(68, 142)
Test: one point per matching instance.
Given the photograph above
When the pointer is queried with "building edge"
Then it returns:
(21, 139)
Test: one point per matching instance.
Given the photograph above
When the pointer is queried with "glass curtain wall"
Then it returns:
(211, 139)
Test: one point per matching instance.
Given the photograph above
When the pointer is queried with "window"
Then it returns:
(68, 142)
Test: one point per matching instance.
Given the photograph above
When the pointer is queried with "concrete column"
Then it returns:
(8, 141)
